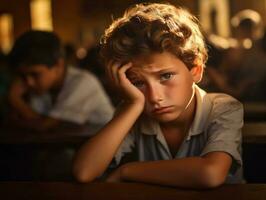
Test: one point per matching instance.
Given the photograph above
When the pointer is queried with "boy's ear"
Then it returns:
(59, 67)
(197, 72)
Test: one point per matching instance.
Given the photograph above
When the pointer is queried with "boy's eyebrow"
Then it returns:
(133, 74)
(161, 70)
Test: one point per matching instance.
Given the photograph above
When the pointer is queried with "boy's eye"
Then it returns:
(166, 76)
(138, 84)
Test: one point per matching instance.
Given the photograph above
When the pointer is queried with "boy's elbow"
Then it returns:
(83, 179)
(212, 177)
(82, 176)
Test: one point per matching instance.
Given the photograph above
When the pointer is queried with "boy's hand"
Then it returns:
(17, 89)
(117, 74)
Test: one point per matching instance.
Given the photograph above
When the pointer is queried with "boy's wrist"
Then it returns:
(125, 171)
(136, 106)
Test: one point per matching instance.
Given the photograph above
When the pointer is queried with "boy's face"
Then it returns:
(39, 78)
(166, 83)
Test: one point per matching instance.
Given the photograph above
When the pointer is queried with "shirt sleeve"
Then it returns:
(224, 132)
(83, 99)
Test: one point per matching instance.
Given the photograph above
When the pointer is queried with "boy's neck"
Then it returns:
(184, 121)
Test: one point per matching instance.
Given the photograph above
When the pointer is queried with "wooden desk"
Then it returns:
(66, 134)
(28, 155)
(124, 191)
(254, 132)
(254, 111)
(48, 155)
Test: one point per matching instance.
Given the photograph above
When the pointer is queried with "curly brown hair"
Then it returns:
(154, 27)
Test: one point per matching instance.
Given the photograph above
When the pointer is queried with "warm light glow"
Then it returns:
(81, 53)
(6, 32)
(247, 43)
(41, 14)
(221, 7)
(254, 16)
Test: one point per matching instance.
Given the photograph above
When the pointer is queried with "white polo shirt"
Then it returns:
(82, 99)
(216, 127)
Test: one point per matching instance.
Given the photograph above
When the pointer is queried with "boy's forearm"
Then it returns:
(22, 108)
(194, 172)
(95, 156)
(28, 117)
(37, 123)
(43, 123)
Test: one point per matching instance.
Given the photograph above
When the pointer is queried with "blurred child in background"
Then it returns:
(46, 92)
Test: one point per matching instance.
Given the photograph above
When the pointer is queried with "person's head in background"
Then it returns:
(163, 36)
(38, 58)
(247, 27)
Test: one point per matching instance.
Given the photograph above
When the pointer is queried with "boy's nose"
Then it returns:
(155, 94)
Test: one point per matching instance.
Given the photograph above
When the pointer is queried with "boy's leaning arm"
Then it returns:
(197, 172)
(25, 115)
(95, 156)
(16, 100)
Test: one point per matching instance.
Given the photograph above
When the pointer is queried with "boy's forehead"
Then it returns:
(156, 62)
(34, 68)
(148, 69)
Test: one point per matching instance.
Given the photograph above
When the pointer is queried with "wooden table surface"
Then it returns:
(129, 191)
(253, 132)
(69, 133)
(254, 111)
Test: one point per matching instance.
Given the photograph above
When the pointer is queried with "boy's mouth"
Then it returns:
(162, 110)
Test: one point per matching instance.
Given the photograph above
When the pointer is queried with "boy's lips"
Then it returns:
(162, 110)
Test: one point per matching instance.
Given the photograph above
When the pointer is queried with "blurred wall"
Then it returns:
(20, 11)
(80, 21)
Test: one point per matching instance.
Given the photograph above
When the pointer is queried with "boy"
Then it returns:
(182, 136)
(47, 93)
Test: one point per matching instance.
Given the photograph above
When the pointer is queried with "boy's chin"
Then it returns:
(165, 118)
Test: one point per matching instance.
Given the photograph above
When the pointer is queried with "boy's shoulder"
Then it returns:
(213, 108)
(78, 77)
(224, 106)
(216, 101)
(222, 100)
(75, 72)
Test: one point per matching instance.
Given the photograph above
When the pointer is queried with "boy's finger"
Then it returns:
(125, 67)
(110, 70)
(122, 71)
(114, 68)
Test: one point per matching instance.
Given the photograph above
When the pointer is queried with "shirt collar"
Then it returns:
(203, 107)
